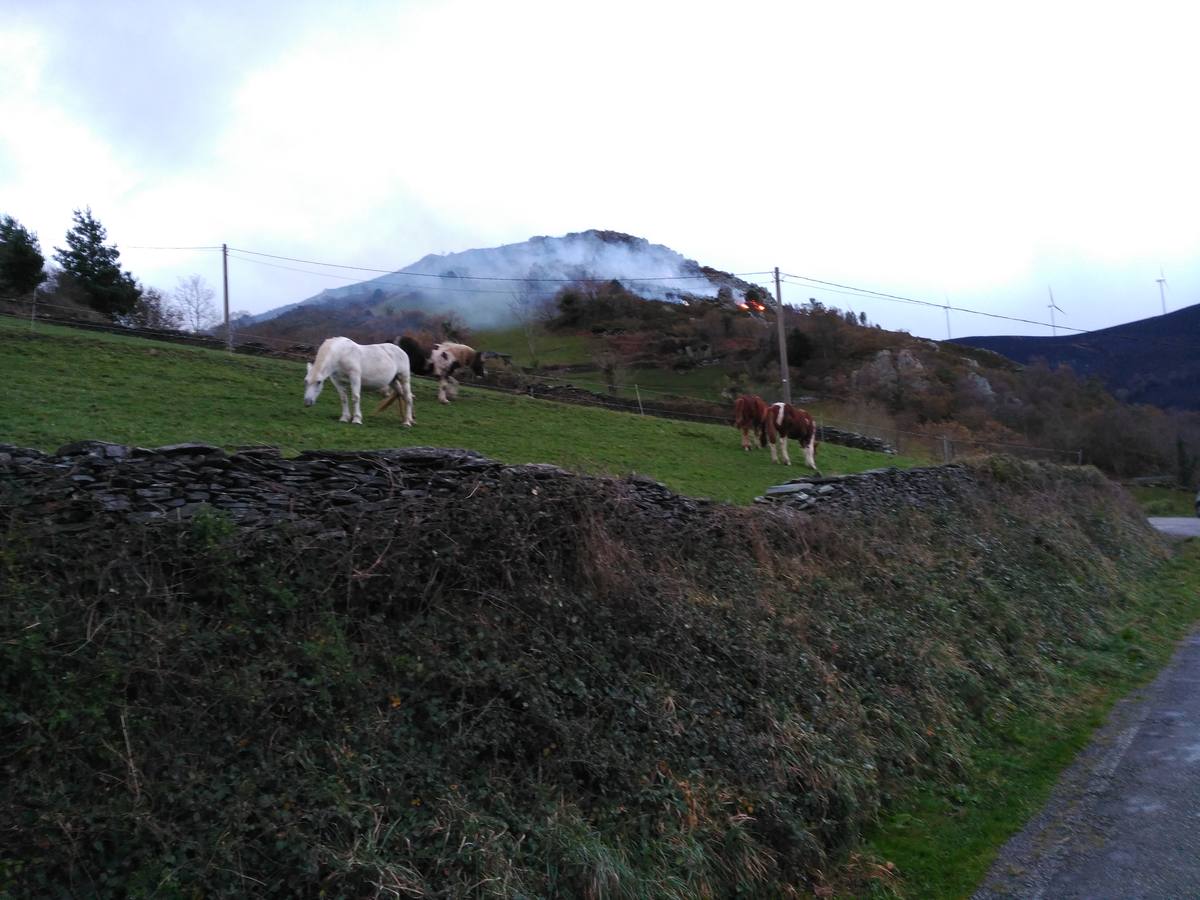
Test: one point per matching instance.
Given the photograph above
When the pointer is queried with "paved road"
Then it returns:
(1124, 819)
(1178, 527)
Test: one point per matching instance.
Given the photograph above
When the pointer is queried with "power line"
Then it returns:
(832, 286)
(789, 278)
(351, 278)
(629, 278)
(142, 247)
(897, 298)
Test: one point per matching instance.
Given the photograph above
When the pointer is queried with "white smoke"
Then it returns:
(479, 285)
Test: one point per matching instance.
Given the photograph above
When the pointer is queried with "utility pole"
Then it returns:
(783, 363)
(225, 278)
(947, 307)
(1162, 293)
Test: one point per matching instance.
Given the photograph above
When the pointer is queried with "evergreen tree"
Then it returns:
(22, 266)
(94, 268)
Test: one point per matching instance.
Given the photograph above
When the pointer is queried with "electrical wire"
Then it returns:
(623, 279)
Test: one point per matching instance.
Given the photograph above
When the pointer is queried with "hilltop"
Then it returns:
(480, 286)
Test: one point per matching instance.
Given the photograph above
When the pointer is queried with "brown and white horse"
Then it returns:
(443, 361)
(448, 357)
(749, 411)
(785, 421)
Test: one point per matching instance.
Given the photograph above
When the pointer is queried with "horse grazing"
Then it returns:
(446, 358)
(418, 359)
(749, 410)
(784, 421)
(381, 367)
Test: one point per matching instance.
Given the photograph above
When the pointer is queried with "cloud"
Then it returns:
(931, 148)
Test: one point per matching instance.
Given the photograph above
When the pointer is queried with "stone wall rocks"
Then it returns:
(89, 482)
(873, 491)
(86, 482)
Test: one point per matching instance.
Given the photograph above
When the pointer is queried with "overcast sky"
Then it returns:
(945, 152)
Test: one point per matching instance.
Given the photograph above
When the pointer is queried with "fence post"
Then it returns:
(945, 448)
(639, 400)
(1079, 456)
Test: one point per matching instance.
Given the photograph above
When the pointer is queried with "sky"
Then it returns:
(973, 155)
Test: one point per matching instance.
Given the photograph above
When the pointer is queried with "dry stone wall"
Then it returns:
(85, 483)
(319, 491)
(875, 490)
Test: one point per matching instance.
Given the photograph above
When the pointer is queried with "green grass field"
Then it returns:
(65, 385)
(1164, 501)
(550, 349)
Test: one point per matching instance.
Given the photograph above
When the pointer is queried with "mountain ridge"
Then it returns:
(1155, 360)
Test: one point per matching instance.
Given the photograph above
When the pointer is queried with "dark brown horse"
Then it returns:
(749, 411)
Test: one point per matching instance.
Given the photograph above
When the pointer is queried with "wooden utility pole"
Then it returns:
(783, 362)
(225, 278)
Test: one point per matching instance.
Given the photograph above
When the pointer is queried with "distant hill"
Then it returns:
(480, 285)
(1155, 360)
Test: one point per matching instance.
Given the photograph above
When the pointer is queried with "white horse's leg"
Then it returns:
(771, 444)
(442, 389)
(402, 392)
(355, 395)
(783, 449)
(341, 389)
(809, 449)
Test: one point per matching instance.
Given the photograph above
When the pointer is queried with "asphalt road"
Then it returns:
(1178, 527)
(1124, 819)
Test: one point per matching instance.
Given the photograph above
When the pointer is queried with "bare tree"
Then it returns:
(523, 310)
(153, 310)
(531, 309)
(194, 298)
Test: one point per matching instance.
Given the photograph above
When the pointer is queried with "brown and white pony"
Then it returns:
(749, 411)
(785, 421)
(443, 361)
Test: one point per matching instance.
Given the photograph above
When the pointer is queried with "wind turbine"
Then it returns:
(1162, 289)
(1053, 306)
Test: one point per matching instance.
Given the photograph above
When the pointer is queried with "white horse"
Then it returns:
(381, 367)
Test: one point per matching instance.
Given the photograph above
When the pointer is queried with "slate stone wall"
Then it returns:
(321, 490)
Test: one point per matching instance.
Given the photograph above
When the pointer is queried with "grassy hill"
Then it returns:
(65, 385)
